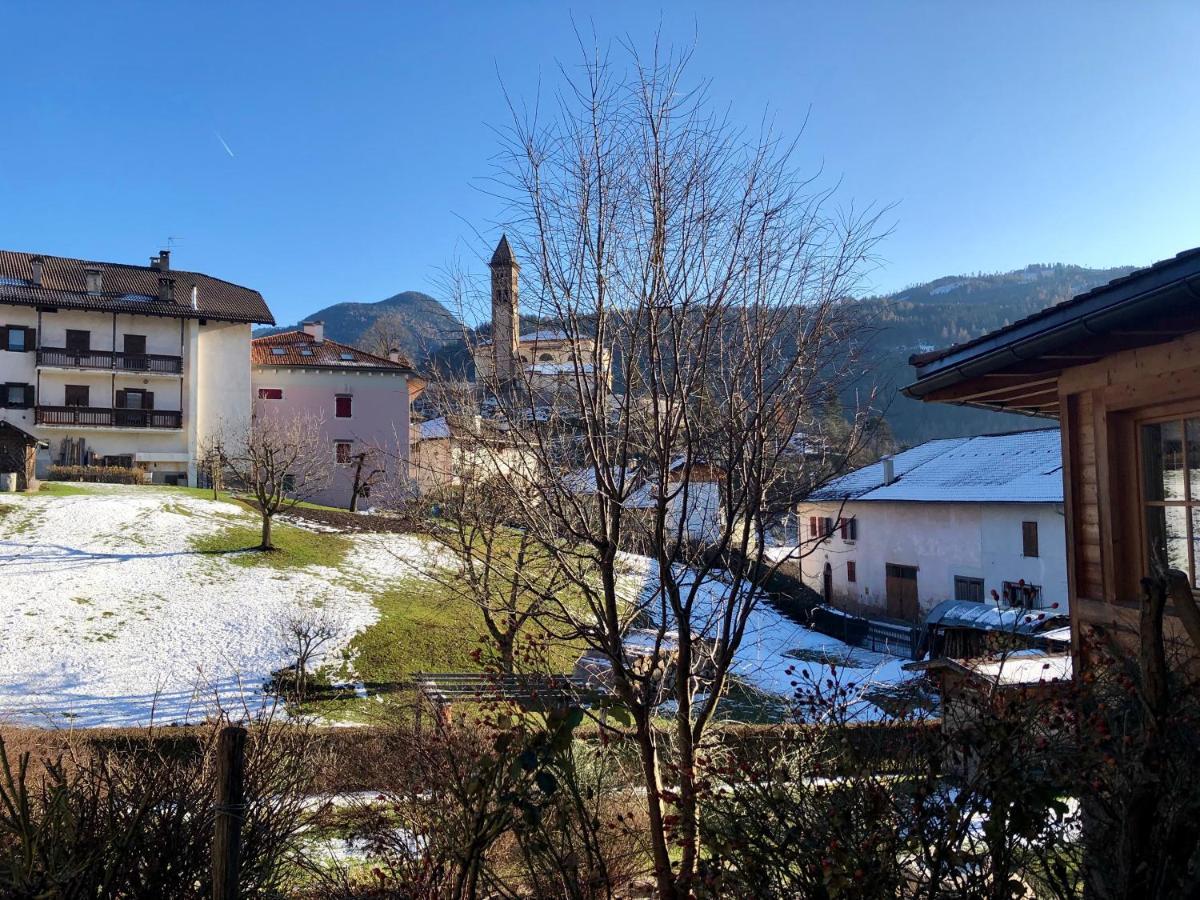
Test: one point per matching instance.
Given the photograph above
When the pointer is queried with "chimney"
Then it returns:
(166, 289)
(36, 262)
(95, 280)
(195, 297)
(164, 260)
(394, 355)
(316, 329)
(889, 470)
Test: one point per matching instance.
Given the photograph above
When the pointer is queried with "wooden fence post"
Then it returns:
(230, 807)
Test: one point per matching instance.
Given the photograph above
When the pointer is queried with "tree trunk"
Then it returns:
(266, 533)
(659, 849)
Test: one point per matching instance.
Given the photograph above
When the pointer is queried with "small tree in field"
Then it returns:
(280, 461)
(369, 471)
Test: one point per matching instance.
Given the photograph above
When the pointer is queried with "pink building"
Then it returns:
(362, 400)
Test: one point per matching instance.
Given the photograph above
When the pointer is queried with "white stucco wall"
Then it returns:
(380, 417)
(217, 363)
(942, 540)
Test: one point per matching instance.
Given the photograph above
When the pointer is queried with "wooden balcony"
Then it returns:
(110, 360)
(99, 417)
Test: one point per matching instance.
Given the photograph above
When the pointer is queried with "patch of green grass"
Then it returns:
(66, 489)
(295, 547)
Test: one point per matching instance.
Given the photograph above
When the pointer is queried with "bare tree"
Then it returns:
(693, 259)
(279, 460)
(370, 470)
(303, 635)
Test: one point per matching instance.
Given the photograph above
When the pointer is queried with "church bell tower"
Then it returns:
(506, 324)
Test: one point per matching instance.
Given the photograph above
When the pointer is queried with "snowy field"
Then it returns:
(776, 651)
(108, 616)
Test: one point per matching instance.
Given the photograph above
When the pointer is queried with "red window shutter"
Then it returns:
(812, 526)
(842, 527)
(342, 407)
(851, 572)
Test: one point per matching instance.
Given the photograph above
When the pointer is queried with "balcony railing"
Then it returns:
(154, 363)
(99, 417)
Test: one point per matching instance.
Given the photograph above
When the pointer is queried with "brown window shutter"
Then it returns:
(30, 339)
(4, 337)
(148, 400)
(812, 526)
(851, 572)
(1029, 539)
(842, 528)
(120, 399)
(30, 400)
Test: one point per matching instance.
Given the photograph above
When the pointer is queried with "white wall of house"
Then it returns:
(942, 540)
(218, 364)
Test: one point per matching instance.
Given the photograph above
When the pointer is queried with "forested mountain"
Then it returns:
(948, 311)
(922, 317)
(415, 323)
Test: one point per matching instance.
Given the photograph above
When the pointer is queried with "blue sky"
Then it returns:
(358, 134)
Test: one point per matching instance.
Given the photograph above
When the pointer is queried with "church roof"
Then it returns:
(503, 255)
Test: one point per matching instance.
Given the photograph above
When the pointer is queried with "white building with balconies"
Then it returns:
(113, 364)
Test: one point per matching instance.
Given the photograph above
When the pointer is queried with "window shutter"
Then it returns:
(148, 400)
(3, 337)
(1029, 539)
(851, 572)
(812, 526)
(30, 401)
(120, 399)
(30, 339)
(842, 528)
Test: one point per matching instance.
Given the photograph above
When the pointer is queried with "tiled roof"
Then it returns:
(1023, 467)
(296, 349)
(924, 359)
(503, 256)
(126, 289)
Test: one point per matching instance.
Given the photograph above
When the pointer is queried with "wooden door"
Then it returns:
(902, 592)
(827, 584)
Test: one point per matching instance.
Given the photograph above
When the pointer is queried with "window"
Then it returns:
(270, 393)
(75, 395)
(827, 527)
(1029, 539)
(969, 589)
(17, 339)
(848, 528)
(278, 351)
(1022, 595)
(17, 395)
(1171, 493)
(289, 483)
(346, 357)
(305, 351)
(851, 572)
(546, 357)
(343, 407)
(79, 341)
(133, 399)
(341, 452)
(135, 344)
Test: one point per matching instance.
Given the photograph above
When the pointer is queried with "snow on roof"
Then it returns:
(545, 368)
(1023, 467)
(434, 429)
(548, 334)
(985, 617)
(1024, 669)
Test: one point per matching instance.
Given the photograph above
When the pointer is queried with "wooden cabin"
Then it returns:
(1119, 368)
(18, 453)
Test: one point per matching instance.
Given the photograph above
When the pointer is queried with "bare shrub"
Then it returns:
(135, 818)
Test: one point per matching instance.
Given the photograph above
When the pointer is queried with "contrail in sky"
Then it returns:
(225, 145)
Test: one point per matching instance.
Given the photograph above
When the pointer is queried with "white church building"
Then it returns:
(978, 519)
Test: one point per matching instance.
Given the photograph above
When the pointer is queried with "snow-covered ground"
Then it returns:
(776, 651)
(108, 616)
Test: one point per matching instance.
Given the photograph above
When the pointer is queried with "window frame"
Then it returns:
(851, 572)
(87, 395)
(8, 387)
(337, 456)
(1007, 588)
(969, 581)
(11, 330)
(1025, 539)
(270, 393)
(337, 403)
(1175, 413)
